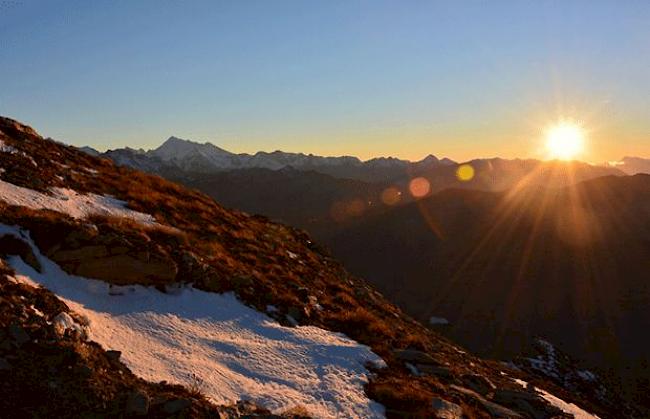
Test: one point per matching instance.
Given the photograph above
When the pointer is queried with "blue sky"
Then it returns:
(369, 78)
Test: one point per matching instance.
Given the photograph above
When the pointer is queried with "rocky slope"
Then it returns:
(70, 217)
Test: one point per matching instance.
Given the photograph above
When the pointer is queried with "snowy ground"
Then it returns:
(235, 351)
(70, 202)
(571, 408)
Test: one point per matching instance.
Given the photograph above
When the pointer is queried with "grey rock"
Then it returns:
(137, 403)
(446, 410)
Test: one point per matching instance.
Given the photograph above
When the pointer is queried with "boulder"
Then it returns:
(446, 410)
(127, 269)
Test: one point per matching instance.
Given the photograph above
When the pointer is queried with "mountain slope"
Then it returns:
(569, 264)
(109, 241)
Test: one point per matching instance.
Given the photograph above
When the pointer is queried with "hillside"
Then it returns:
(145, 280)
(568, 264)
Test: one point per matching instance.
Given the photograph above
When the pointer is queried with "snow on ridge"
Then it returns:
(70, 202)
(235, 351)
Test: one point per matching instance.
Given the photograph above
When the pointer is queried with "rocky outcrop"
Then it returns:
(112, 258)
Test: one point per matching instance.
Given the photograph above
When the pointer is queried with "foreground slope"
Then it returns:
(133, 261)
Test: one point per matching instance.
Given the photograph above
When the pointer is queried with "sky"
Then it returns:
(367, 78)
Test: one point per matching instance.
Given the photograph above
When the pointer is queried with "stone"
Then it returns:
(414, 356)
(478, 383)
(137, 403)
(176, 405)
(446, 410)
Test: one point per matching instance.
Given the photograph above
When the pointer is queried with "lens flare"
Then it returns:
(465, 173)
(419, 187)
(391, 196)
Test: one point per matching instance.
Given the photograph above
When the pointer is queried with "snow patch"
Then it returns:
(570, 408)
(70, 202)
(236, 352)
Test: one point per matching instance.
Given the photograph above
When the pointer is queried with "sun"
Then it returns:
(565, 140)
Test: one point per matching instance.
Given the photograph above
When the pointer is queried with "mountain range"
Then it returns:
(188, 156)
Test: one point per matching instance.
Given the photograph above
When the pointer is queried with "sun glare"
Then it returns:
(565, 141)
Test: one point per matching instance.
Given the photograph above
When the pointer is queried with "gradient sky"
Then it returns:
(368, 78)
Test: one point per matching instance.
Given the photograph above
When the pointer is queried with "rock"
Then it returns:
(18, 334)
(127, 269)
(478, 383)
(177, 405)
(113, 355)
(446, 410)
(63, 321)
(137, 403)
(414, 357)
(528, 402)
(4, 365)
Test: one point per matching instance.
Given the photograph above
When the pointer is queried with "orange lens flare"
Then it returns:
(419, 187)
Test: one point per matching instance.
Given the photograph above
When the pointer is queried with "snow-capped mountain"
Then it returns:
(190, 156)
